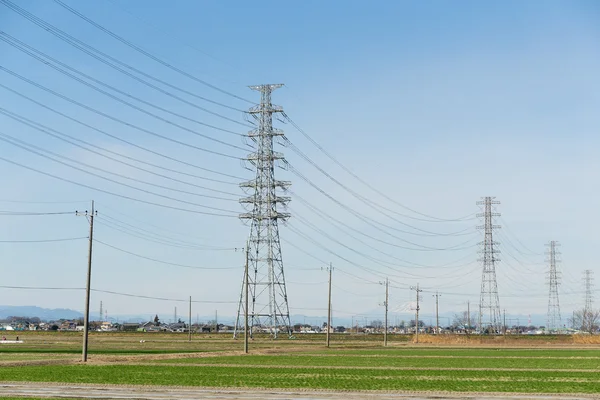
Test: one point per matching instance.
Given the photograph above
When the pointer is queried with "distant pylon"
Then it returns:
(489, 304)
(266, 281)
(553, 322)
(100, 314)
(588, 279)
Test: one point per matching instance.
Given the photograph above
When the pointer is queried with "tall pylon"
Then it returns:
(489, 304)
(553, 322)
(588, 279)
(268, 295)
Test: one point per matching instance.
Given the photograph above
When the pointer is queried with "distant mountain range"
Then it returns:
(44, 314)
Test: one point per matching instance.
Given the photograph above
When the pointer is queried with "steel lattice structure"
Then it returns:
(588, 278)
(268, 302)
(553, 322)
(489, 304)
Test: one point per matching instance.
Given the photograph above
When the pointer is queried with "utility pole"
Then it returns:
(504, 324)
(553, 322)
(437, 314)
(588, 278)
(489, 305)
(329, 305)
(246, 302)
(417, 290)
(267, 283)
(190, 322)
(101, 312)
(86, 321)
(216, 322)
(468, 315)
(175, 316)
(386, 305)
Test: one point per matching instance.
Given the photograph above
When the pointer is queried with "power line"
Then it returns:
(4, 137)
(161, 261)
(27, 213)
(117, 137)
(118, 226)
(44, 240)
(95, 111)
(59, 136)
(112, 193)
(45, 59)
(147, 54)
(331, 157)
(376, 225)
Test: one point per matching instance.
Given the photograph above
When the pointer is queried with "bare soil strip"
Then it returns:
(181, 393)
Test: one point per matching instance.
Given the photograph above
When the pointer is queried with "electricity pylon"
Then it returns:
(553, 322)
(266, 282)
(489, 304)
(588, 278)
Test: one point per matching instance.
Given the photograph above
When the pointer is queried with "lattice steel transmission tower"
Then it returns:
(553, 321)
(489, 304)
(588, 279)
(266, 282)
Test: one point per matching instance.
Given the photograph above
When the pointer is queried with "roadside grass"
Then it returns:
(405, 362)
(321, 378)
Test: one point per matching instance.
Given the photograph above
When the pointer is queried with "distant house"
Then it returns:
(129, 327)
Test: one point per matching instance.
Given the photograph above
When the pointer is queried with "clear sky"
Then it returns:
(435, 104)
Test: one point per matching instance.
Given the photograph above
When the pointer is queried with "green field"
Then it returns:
(216, 361)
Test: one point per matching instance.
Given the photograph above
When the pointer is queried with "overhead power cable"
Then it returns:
(59, 136)
(92, 51)
(28, 147)
(113, 193)
(139, 296)
(28, 213)
(140, 233)
(156, 153)
(162, 261)
(40, 288)
(45, 59)
(332, 158)
(340, 225)
(43, 240)
(95, 111)
(146, 53)
(165, 32)
(368, 221)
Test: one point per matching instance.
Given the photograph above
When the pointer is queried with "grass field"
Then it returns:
(216, 361)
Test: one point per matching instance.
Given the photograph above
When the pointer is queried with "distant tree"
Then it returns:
(402, 324)
(156, 320)
(340, 329)
(586, 320)
(54, 328)
(377, 323)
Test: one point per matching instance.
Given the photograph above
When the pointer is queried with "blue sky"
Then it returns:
(435, 104)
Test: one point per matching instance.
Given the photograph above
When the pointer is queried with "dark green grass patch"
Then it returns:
(407, 362)
(320, 378)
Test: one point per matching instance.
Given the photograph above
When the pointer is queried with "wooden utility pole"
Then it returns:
(437, 314)
(190, 322)
(86, 321)
(246, 301)
(385, 332)
(329, 305)
(468, 316)
(417, 290)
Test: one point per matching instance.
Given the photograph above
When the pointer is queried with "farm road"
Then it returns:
(65, 391)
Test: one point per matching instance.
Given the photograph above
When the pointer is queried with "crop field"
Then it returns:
(528, 366)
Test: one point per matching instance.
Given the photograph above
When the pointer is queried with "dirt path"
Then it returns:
(179, 393)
